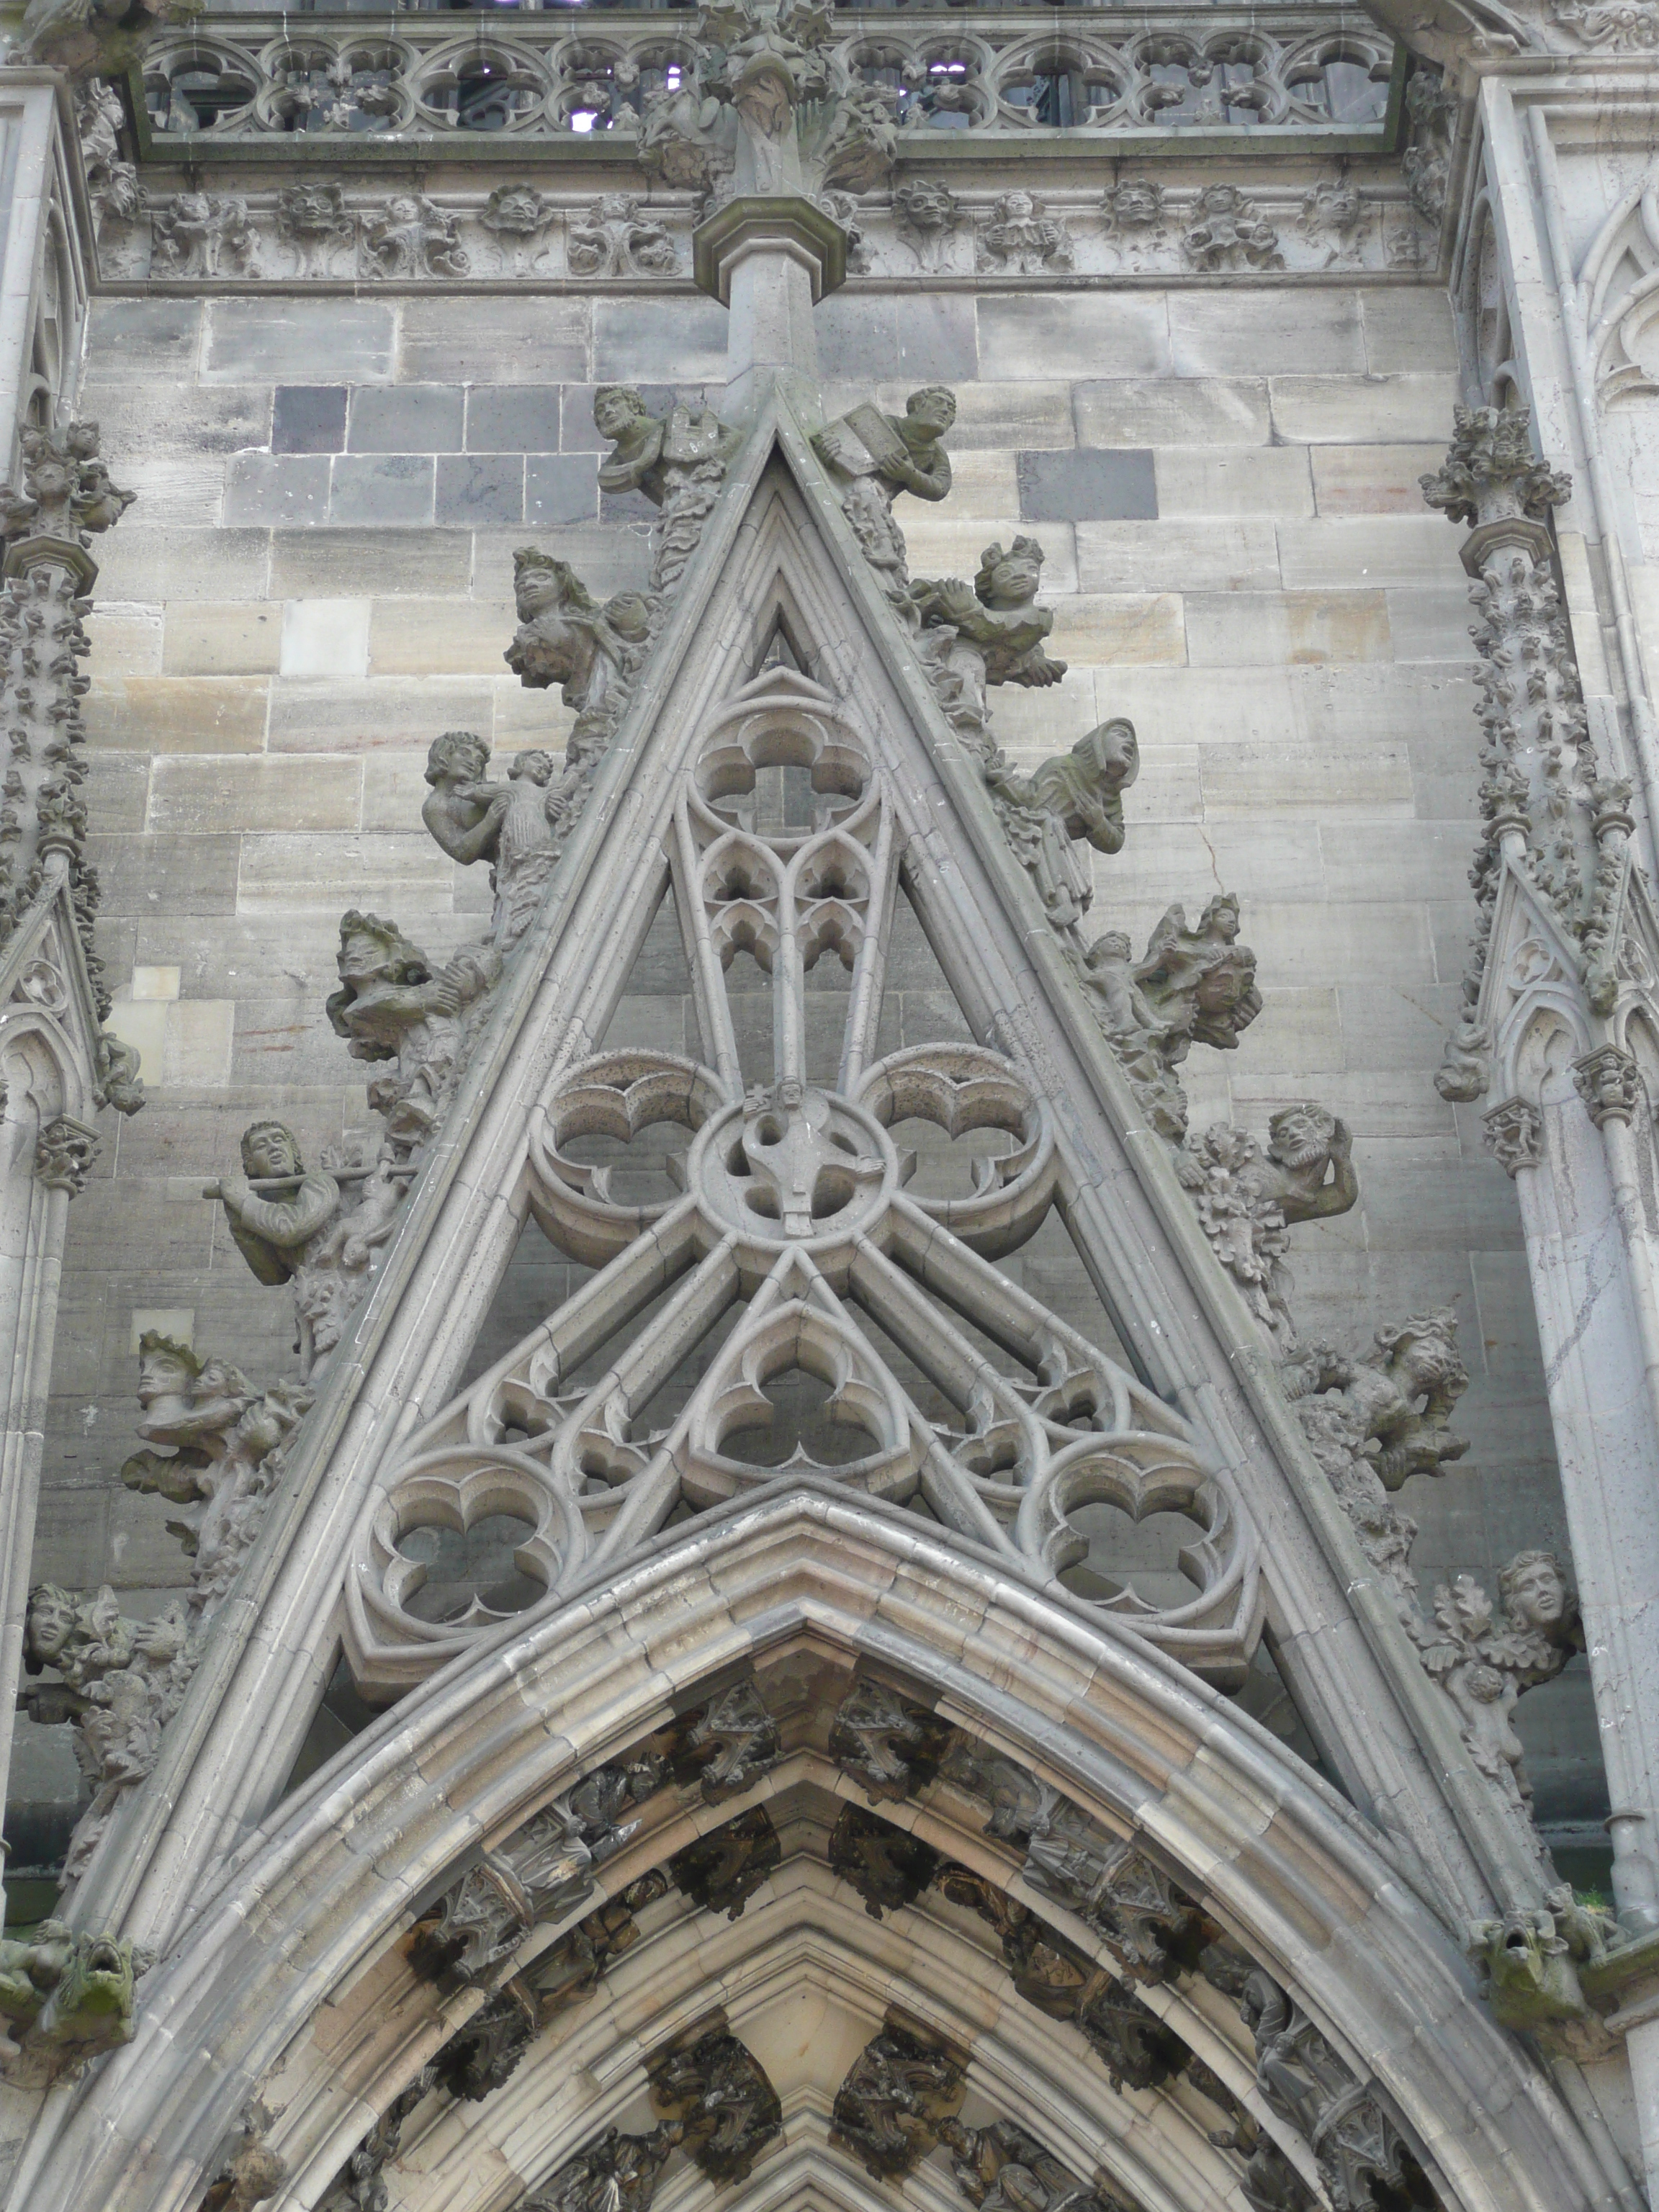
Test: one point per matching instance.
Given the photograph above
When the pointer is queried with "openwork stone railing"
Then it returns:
(1306, 69)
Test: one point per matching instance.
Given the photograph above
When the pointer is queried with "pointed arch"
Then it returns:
(317, 1904)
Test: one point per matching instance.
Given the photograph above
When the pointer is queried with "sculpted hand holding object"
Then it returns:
(874, 456)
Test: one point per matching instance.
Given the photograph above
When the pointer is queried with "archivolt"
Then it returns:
(292, 1983)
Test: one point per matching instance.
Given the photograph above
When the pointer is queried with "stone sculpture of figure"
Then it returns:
(679, 141)
(308, 1233)
(66, 491)
(1483, 1665)
(874, 456)
(1079, 794)
(719, 2094)
(617, 238)
(998, 616)
(769, 58)
(1228, 232)
(1394, 1405)
(456, 763)
(566, 637)
(615, 2173)
(1021, 235)
(505, 824)
(888, 2109)
(393, 1004)
(1003, 2168)
(678, 460)
(855, 148)
(122, 1682)
(227, 1440)
(66, 1995)
(1202, 981)
(413, 238)
(927, 215)
(1248, 1196)
(1137, 1033)
(118, 1081)
(1304, 2080)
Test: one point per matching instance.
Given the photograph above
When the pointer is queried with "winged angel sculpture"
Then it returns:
(783, 1241)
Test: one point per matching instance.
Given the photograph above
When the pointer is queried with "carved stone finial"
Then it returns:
(1513, 1131)
(1491, 473)
(67, 493)
(1610, 1082)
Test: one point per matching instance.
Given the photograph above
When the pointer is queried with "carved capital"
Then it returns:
(64, 1154)
(1608, 1083)
(1492, 480)
(1512, 1134)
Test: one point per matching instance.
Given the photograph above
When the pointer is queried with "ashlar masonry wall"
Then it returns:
(317, 581)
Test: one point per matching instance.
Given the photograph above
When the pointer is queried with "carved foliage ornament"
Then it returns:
(900, 2089)
(719, 2094)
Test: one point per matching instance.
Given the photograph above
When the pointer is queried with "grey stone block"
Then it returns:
(928, 337)
(513, 418)
(606, 559)
(672, 341)
(1089, 485)
(175, 874)
(308, 418)
(1409, 330)
(141, 337)
(197, 420)
(135, 564)
(1024, 335)
(408, 418)
(333, 341)
(277, 488)
(516, 339)
(560, 487)
(382, 488)
(1266, 333)
(480, 488)
(355, 563)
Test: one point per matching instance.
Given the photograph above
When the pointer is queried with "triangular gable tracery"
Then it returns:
(825, 1252)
